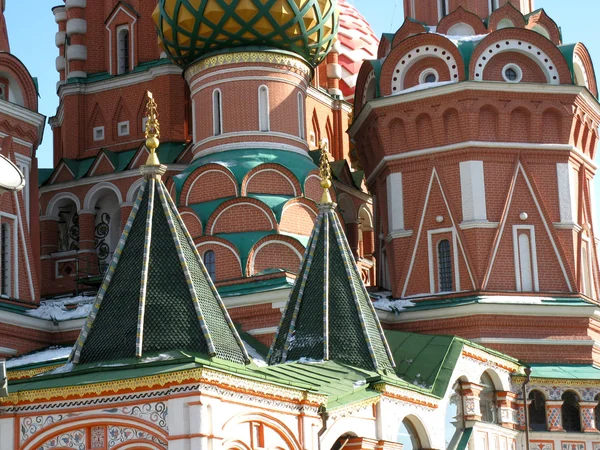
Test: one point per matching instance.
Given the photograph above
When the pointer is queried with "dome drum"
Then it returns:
(190, 29)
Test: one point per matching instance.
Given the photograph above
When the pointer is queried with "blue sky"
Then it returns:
(31, 29)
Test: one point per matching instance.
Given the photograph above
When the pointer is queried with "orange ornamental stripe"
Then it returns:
(511, 369)
(192, 436)
(414, 401)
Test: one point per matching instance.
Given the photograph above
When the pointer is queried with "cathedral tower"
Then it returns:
(479, 141)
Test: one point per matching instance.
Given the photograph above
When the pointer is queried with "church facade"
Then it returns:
(305, 237)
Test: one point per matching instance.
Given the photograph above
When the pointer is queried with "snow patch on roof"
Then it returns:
(521, 300)
(44, 356)
(422, 86)
(64, 309)
(459, 39)
(385, 302)
(256, 357)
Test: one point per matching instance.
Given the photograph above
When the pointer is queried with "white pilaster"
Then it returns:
(395, 202)
(566, 190)
(472, 187)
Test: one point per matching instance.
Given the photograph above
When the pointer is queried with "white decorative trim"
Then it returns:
(76, 26)
(77, 52)
(97, 164)
(60, 63)
(131, 34)
(98, 133)
(25, 253)
(519, 46)
(262, 126)
(478, 224)
(123, 128)
(395, 201)
(30, 117)
(455, 271)
(60, 14)
(532, 255)
(259, 331)
(426, 73)
(58, 197)
(77, 74)
(566, 190)
(416, 54)
(472, 187)
(525, 341)
(8, 351)
(264, 244)
(481, 145)
(568, 226)
(59, 39)
(242, 79)
(87, 203)
(217, 106)
(578, 64)
(303, 83)
(517, 70)
(398, 234)
(224, 172)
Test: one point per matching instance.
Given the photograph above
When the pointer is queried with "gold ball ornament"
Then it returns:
(326, 184)
(152, 142)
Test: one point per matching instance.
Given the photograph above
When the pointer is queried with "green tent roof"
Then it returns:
(157, 296)
(329, 315)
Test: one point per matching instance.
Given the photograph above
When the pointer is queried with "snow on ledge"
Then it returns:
(423, 86)
(45, 356)
(385, 302)
(58, 309)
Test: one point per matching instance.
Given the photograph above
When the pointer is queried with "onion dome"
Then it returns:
(189, 29)
(358, 42)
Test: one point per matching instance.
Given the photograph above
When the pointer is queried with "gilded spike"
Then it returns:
(152, 131)
(325, 173)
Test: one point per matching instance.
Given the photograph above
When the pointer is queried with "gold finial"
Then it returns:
(325, 173)
(152, 131)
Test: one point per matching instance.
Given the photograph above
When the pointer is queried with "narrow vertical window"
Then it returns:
(263, 108)
(525, 270)
(301, 117)
(445, 266)
(123, 50)
(5, 260)
(217, 113)
(443, 8)
(210, 264)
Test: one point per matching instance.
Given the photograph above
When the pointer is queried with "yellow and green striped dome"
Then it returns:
(189, 29)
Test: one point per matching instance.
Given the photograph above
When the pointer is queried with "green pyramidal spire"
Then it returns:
(157, 295)
(329, 315)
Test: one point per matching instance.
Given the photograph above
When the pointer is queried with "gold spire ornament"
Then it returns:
(152, 132)
(325, 173)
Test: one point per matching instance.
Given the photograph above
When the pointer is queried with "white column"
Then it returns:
(7, 433)
(179, 423)
(395, 202)
(472, 186)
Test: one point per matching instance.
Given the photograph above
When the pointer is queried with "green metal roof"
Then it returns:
(157, 295)
(329, 315)
(101, 76)
(565, 372)
(44, 175)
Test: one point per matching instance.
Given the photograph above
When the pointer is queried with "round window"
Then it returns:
(512, 73)
(430, 78)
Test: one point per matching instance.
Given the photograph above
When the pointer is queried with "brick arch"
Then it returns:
(531, 71)
(489, 123)
(53, 203)
(227, 256)
(544, 20)
(275, 252)
(581, 53)
(508, 11)
(45, 434)
(226, 219)
(207, 183)
(413, 74)
(14, 67)
(191, 221)
(520, 40)
(424, 128)
(365, 75)
(520, 124)
(461, 15)
(270, 422)
(298, 216)
(414, 48)
(408, 28)
(397, 130)
(316, 127)
(312, 186)
(271, 179)
(452, 126)
(552, 125)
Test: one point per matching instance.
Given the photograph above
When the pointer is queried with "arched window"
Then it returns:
(537, 411)
(5, 249)
(210, 264)
(487, 400)
(408, 437)
(217, 113)
(571, 420)
(301, 117)
(445, 266)
(123, 50)
(263, 109)
(454, 419)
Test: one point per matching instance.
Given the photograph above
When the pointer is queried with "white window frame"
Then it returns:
(120, 126)
(217, 110)
(129, 50)
(517, 69)
(264, 116)
(24, 165)
(99, 130)
(428, 72)
(301, 117)
(455, 266)
(587, 246)
(532, 254)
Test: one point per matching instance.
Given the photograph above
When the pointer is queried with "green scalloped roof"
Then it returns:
(188, 33)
